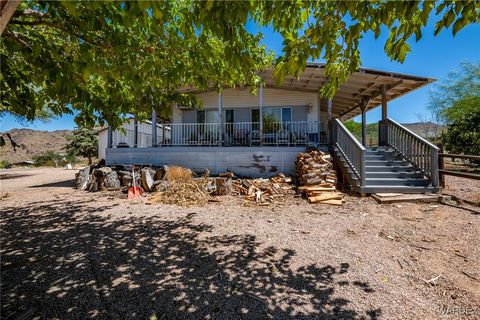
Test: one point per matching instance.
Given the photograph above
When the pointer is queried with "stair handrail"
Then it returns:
(351, 149)
(421, 153)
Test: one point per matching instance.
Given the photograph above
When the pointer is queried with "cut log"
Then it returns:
(223, 186)
(324, 197)
(313, 181)
(334, 202)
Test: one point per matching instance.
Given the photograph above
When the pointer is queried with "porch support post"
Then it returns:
(154, 128)
(109, 137)
(135, 133)
(260, 107)
(330, 121)
(319, 129)
(382, 126)
(384, 102)
(220, 120)
(364, 122)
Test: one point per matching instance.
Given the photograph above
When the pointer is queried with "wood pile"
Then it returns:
(263, 191)
(316, 177)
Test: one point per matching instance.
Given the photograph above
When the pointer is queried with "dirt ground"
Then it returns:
(67, 254)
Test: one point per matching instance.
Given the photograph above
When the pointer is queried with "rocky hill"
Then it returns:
(32, 143)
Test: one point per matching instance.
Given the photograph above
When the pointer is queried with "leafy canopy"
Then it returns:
(108, 59)
(463, 135)
(458, 94)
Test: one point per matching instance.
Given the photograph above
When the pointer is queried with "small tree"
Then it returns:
(83, 143)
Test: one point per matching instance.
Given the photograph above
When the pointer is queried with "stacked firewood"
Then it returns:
(263, 192)
(316, 177)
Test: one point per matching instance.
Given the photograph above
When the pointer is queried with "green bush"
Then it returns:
(463, 135)
(50, 159)
(5, 164)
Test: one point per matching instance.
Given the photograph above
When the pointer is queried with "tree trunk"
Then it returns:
(89, 160)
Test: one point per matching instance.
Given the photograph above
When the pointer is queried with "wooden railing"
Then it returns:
(351, 149)
(422, 154)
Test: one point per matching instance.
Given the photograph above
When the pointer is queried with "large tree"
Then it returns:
(107, 59)
(456, 100)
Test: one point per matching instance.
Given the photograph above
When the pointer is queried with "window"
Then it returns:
(277, 114)
(207, 116)
(228, 116)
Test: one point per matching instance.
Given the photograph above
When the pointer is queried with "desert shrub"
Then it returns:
(50, 159)
(175, 173)
(463, 135)
(5, 164)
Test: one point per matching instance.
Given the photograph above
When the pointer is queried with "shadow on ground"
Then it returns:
(8, 176)
(61, 259)
(70, 183)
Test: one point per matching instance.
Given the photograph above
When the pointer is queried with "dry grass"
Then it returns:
(178, 174)
(184, 193)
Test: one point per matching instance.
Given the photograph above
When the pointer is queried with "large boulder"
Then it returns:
(161, 185)
(147, 175)
(99, 176)
(82, 178)
(111, 180)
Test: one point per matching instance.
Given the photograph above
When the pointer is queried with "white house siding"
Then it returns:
(102, 144)
(241, 98)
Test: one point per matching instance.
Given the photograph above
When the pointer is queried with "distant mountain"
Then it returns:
(424, 129)
(32, 143)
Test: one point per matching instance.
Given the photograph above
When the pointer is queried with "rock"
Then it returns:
(82, 178)
(100, 175)
(93, 183)
(147, 175)
(162, 185)
(111, 180)
(127, 180)
(102, 171)
(160, 173)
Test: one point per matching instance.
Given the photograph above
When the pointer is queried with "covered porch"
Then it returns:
(237, 131)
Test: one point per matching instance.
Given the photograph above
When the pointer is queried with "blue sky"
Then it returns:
(432, 57)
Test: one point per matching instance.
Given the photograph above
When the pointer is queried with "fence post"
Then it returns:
(441, 166)
(434, 169)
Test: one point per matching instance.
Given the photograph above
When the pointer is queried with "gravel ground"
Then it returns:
(463, 188)
(67, 254)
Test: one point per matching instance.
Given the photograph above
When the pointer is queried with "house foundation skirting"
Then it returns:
(257, 161)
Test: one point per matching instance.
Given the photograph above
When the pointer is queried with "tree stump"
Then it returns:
(223, 186)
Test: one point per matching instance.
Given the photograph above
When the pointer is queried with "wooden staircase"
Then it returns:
(386, 171)
(406, 165)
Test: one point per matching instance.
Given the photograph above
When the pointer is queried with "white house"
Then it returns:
(261, 135)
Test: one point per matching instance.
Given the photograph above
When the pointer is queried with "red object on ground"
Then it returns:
(134, 191)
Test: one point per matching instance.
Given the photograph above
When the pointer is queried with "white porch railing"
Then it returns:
(232, 134)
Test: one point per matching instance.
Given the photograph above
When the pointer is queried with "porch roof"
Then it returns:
(363, 84)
